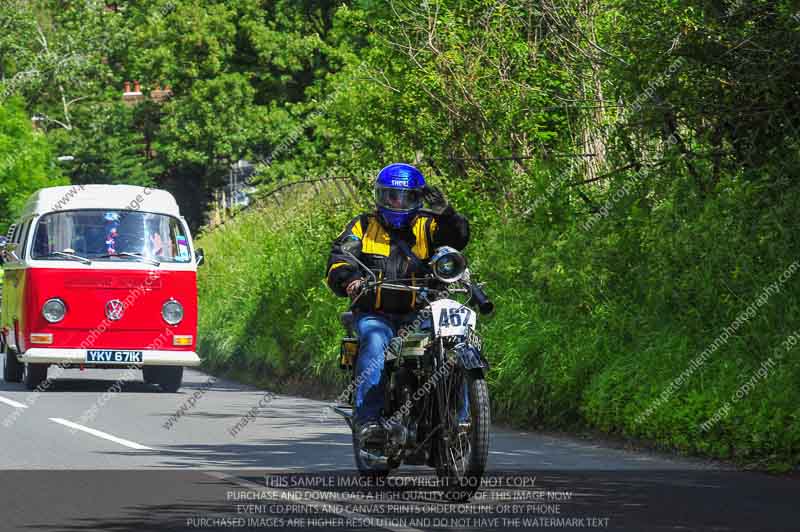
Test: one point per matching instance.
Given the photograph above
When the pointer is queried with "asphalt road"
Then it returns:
(100, 450)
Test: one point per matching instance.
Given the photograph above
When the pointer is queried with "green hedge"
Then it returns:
(591, 326)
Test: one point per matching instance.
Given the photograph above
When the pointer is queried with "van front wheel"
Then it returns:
(168, 378)
(34, 374)
(12, 368)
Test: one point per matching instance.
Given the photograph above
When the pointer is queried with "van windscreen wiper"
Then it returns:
(72, 256)
(139, 256)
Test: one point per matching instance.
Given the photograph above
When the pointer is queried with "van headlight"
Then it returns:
(448, 264)
(172, 312)
(54, 310)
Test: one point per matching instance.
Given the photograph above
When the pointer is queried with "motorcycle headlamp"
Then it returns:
(448, 265)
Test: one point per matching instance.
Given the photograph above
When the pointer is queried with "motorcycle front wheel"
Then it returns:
(464, 451)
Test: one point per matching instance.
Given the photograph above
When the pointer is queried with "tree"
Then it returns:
(26, 161)
(56, 55)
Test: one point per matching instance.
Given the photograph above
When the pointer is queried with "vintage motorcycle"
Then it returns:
(432, 367)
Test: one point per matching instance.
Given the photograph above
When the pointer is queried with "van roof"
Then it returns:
(107, 197)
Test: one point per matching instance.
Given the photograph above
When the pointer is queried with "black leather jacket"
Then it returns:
(382, 250)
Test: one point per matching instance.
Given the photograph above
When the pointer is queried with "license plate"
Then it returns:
(474, 340)
(114, 357)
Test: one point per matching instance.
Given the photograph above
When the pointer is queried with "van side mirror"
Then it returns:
(199, 256)
(3, 246)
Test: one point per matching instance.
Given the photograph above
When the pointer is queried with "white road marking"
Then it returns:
(320, 505)
(12, 402)
(100, 434)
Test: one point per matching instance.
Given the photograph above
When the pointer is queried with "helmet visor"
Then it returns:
(398, 199)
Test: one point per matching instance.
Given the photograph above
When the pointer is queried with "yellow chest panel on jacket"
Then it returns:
(376, 240)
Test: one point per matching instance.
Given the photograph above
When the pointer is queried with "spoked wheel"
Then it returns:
(463, 450)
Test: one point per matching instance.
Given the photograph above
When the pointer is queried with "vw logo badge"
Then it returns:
(115, 309)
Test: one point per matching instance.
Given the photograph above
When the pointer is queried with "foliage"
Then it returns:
(626, 167)
(266, 310)
(26, 162)
(225, 63)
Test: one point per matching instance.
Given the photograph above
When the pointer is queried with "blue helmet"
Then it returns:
(398, 194)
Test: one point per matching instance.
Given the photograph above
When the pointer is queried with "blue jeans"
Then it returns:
(374, 334)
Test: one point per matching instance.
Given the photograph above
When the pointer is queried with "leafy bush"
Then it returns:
(590, 327)
(266, 312)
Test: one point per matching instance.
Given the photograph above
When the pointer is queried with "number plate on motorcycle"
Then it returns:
(451, 318)
(474, 340)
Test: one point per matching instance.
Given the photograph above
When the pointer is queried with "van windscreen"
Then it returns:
(111, 235)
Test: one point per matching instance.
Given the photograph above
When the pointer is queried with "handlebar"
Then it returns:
(482, 301)
(478, 297)
(370, 285)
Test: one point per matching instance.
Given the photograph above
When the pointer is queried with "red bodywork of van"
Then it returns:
(88, 294)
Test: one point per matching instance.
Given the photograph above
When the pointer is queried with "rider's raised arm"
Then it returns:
(341, 268)
(450, 229)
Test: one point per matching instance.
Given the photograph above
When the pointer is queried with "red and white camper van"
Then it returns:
(99, 276)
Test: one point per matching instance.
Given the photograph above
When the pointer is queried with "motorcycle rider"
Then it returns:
(396, 239)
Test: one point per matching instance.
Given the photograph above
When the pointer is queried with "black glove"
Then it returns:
(354, 287)
(436, 201)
